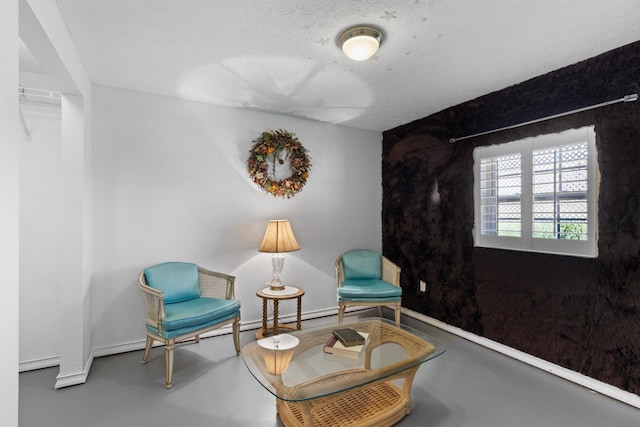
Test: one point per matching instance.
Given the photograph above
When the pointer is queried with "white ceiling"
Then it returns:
(281, 55)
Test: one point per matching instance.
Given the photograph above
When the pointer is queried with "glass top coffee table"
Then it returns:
(315, 388)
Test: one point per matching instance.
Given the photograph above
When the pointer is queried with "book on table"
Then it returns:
(334, 346)
(349, 337)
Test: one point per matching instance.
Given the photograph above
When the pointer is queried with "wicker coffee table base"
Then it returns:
(379, 404)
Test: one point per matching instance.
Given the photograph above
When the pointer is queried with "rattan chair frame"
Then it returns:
(390, 274)
(213, 285)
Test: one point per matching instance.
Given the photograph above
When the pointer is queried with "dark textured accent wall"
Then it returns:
(580, 313)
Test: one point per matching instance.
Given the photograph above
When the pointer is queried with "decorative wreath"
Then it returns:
(278, 146)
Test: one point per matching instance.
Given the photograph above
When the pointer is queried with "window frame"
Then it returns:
(526, 242)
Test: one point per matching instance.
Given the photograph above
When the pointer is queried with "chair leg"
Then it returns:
(197, 338)
(168, 351)
(379, 311)
(341, 308)
(147, 349)
(236, 335)
(398, 311)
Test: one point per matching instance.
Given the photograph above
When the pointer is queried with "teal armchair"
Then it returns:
(183, 301)
(367, 278)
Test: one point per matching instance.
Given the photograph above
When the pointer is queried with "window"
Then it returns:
(538, 194)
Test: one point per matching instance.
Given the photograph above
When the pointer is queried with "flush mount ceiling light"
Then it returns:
(360, 42)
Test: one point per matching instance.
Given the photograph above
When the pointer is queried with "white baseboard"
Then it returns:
(575, 377)
(567, 374)
(245, 326)
(76, 377)
(45, 362)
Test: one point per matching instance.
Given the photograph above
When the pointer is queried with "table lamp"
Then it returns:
(277, 239)
(278, 351)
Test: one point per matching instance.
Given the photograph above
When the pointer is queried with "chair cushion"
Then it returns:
(196, 312)
(368, 289)
(362, 264)
(178, 280)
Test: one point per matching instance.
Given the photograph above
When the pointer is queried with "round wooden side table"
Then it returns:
(289, 292)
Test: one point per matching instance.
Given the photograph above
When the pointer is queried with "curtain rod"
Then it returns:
(627, 98)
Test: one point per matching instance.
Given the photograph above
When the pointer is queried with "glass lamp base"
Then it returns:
(277, 263)
(276, 286)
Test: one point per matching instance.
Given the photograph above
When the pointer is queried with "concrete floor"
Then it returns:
(467, 386)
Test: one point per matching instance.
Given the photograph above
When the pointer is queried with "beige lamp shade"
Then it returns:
(279, 238)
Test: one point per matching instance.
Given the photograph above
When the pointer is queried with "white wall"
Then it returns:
(39, 237)
(170, 183)
(9, 211)
(44, 33)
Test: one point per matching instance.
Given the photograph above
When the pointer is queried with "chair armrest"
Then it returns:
(390, 272)
(153, 302)
(339, 271)
(216, 285)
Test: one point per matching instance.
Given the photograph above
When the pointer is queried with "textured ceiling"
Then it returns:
(281, 55)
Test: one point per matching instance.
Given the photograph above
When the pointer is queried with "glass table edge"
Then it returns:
(439, 349)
